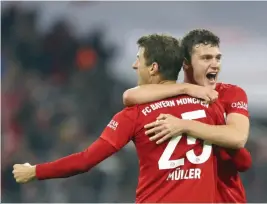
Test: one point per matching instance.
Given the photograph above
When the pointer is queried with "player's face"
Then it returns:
(141, 68)
(205, 64)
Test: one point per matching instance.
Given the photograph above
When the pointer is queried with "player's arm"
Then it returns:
(116, 135)
(241, 158)
(229, 135)
(67, 166)
(153, 92)
(235, 133)
(232, 135)
(76, 163)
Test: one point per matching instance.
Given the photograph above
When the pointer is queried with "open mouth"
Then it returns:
(211, 76)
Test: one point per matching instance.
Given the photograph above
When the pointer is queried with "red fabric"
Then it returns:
(232, 99)
(180, 172)
(161, 178)
(241, 158)
(121, 129)
(76, 163)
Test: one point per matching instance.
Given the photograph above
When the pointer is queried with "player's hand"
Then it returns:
(24, 173)
(206, 93)
(166, 127)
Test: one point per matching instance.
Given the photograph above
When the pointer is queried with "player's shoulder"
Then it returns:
(225, 87)
(131, 108)
(129, 112)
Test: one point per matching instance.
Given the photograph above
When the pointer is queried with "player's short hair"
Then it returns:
(195, 37)
(164, 50)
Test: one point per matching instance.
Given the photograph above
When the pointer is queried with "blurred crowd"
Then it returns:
(57, 97)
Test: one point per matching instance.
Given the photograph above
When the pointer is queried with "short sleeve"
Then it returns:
(235, 101)
(121, 129)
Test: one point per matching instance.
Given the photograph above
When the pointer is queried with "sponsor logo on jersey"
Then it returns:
(240, 105)
(113, 124)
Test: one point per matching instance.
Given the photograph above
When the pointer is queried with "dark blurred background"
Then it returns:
(65, 65)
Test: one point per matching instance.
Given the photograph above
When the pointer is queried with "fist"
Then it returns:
(23, 173)
(206, 93)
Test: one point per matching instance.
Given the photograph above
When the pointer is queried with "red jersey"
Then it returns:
(180, 170)
(232, 99)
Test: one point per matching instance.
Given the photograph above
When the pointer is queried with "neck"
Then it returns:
(188, 80)
(167, 82)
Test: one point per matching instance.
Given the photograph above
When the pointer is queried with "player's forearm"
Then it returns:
(76, 163)
(222, 135)
(152, 92)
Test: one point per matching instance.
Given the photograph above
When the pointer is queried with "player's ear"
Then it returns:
(186, 64)
(154, 69)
